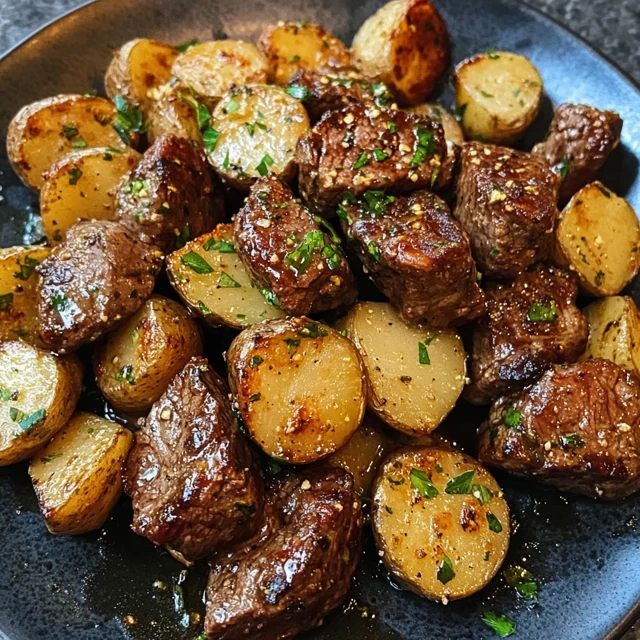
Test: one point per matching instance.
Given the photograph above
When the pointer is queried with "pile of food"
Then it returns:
(374, 225)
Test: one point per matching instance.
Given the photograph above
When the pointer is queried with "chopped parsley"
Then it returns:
(426, 145)
(502, 625)
(270, 297)
(79, 143)
(522, 581)
(380, 155)
(458, 111)
(223, 246)
(265, 163)
(445, 571)
(405, 379)
(292, 344)
(395, 482)
(313, 330)
(256, 361)
(422, 483)
(392, 126)
(58, 302)
(25, 422)
(494, 524)
(6, 301)
(203, 309)
(511, 417)
(571, 441)
(129, 120)
(26, 269)
(482, 493)
(196, 263)
(255, 397)
(460, 484)
(485, 94)
(184, 237)
(599, 278)
(226, 163)
(126, 373)
(562, 167)
(605, 192)
(74, 175)
(295, 58)
(375, 202)
(70, 131)
(225, 281)
(494, 252)
(232, 106)
(210, 138)
(136, 187)
(373, 250)
(362, 161)
(300, 258)
(423, 354)
(298, 92)
(185, 46)
(492, 54)
(540, 313)
(50, 458)
(5, 394)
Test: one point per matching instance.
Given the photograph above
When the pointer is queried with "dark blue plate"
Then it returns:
(585, 554)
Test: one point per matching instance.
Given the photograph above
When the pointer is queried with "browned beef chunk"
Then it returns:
(506, 202)
(287, 251)
(416, 254)
(191, 476)
(364, 147)
(100, 274)
(321, 92)
(577, 428)
(169, 197)
(297, 569)
(579, 140)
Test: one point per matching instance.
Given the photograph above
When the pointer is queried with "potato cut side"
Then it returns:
(259, 129)
(365, 451)
(42, 132)
(82, 186)
(452, 130)
(38, 394)
(18, 299)
(614, 332)
(440, 522)
(213, 68)
(170, 114)
(135, 363)
(598, 237)
(292, 46)
(406, 45)
(498, 94)
(416, 373)
(77, 476)
(138, 67)
(210, 278)
(299, 388)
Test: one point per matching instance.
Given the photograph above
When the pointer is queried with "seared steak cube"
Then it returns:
(577, 428)
(531, 323)
(297, 569)
(321, 92)
(364, 147)
(193, 481)
(579, 140)
(291, 255)
(506, 202)
(416, 254)
(99, 275)
(169, 197)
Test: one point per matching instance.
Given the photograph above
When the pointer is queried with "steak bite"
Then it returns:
(416, 254)
(291, 255)
(100, 274)
(321, 92)
(531, 323)
(579, 140)
(169, 197)
(506, 202)
(577, 428)
(363, 147)
(191, 476)
(297, 568)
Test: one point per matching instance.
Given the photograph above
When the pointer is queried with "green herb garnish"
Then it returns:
(185, 46)
(571, 441)
(126, 373)
(460, 484)
(494, 523)
(74, 175)
(426, 145)
(522, 581)
(540, 313)
(196, 263)
(225, 281)
(265, 163)
(129, 120)
(511, 417)
(502, 625)
(423, 484)
(445, 571)
(223, 246)
(298, 92)
(362, 160)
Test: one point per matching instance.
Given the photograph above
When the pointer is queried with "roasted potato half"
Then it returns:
(38, 394)
(259, 126)
(405, 44)
(18, 299)
(214, 284)
(299, 387)
(82, 185)
(598, 237)
(416, 373)
(440, 522)
(44, 131)
(498, 95)
(290, 46)
(135, 363)
(170, 114)
(213, 68)
(77, 476)
(452, 130)
(614, 332)
(138, 67)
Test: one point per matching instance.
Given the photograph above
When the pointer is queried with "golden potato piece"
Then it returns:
(213, 68)
(300, 45)
(137, 67)
(405, 44)
(440, 522)
(598, 237)
(498, 94)
(299, 387)
(82, 186)
(210, 278)
(135, 363)
(77, 476)
(170, 114)
(38, 394)
(416, 373)
(452, 130)
(614, 332)
(18, 299)
(259, 127)
(44, 131)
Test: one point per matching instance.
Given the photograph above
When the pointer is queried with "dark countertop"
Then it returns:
(611, 26)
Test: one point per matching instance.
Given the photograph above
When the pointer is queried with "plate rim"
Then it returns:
(633, 615)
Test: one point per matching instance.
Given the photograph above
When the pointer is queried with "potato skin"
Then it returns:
(77, 476)
(135, 363)
(139, 66)
(406, 45)
(36, 380)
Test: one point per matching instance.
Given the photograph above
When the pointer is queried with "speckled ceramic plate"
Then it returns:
(585, 554)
